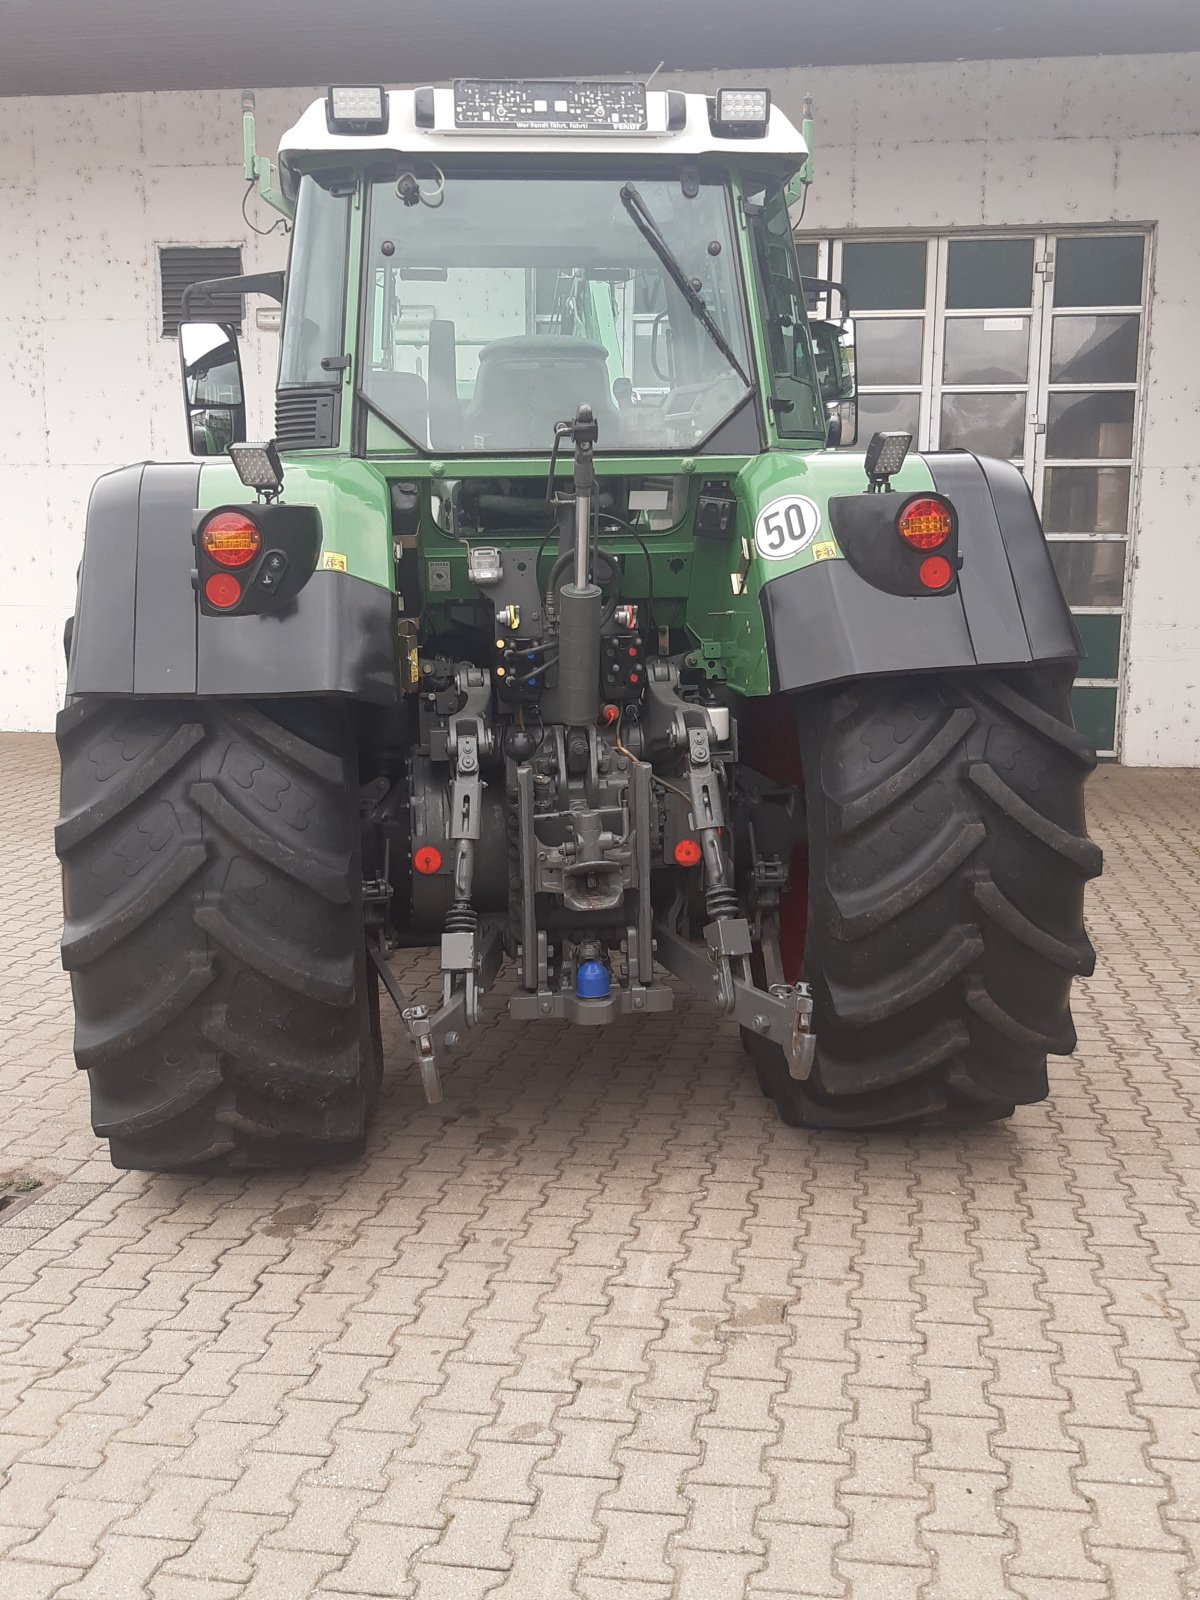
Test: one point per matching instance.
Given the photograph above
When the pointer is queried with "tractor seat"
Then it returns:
(527, 383)
(404, 397)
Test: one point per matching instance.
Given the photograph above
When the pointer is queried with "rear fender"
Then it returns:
(139, 631)
(826, 623)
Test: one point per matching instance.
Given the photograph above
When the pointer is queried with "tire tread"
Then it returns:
(947, 863)
(213, 930)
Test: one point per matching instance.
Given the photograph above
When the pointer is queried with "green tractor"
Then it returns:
(558, 626)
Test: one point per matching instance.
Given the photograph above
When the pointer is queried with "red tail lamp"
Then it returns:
(427, 860)
(925, 524)
(222, 590)
(231, 540)
(936, 572)
(687, 853)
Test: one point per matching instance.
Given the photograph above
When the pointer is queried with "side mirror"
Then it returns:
(213, 394)
(833, 349)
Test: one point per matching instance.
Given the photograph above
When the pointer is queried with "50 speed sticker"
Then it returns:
(786, 527)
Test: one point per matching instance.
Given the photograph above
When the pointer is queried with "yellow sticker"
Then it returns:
(824, 552)
(331, 561)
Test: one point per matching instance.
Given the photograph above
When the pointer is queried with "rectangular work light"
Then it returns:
(258, 466)
(356, 109)
(742, 112)
(885, 456)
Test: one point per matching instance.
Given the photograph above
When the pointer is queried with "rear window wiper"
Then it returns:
(644, 221)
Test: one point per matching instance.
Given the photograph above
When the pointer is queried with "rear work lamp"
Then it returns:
(356, 109)
(742, 113)
(885, 456)
(259, 467)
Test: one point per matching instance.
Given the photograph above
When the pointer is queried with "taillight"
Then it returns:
(687, 853)
(231, 540)
(925, 524)
(427, 860)
(935, 572)
(222, 590)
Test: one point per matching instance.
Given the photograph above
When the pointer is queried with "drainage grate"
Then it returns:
(31, 1207)
(17, 1189)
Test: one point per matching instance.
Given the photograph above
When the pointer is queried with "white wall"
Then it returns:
(90, 187)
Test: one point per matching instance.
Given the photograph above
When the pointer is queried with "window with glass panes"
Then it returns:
(1029, 346)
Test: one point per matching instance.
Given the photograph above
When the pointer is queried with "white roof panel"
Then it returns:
(695, 138)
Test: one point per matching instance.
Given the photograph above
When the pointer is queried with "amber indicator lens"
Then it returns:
(231, 539)
(936, 572)
(925, 524)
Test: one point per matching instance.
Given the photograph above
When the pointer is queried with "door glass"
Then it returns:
(1090, 425)
(990, 424)
(1104, 271)
(990, 272)
(1094, 350)
(314, 314)
(884, 274)
(808, 254)
(1102, 640)
(1095, 713)
(888, 349)
(986, 350)
(891, 412)
(1086, 500)
(799, 410)
(1091, 571)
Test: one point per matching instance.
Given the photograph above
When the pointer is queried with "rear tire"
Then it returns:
(225, 1009)
(947, 859)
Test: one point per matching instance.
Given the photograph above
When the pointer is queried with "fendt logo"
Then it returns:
(785, 527)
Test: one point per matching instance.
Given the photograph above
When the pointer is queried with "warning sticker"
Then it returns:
(331, 561)
(824, 552)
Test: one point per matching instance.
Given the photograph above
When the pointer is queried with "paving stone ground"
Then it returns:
(598, 1327)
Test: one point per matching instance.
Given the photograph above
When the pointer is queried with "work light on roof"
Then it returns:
(356, 109)
(742, 112)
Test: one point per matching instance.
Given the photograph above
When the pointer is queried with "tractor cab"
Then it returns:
(471, 264)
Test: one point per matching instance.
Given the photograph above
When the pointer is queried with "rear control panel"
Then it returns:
(622, 666)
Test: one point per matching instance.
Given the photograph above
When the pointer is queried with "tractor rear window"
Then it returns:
(496, 311)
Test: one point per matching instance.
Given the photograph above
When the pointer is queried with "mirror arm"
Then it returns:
(268, 283)
(256, 168)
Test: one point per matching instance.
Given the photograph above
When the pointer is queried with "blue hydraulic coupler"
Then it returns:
(591, 981)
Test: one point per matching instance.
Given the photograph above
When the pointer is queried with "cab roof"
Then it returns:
(422, 121)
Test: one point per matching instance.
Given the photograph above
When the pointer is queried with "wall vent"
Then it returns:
(181, 265)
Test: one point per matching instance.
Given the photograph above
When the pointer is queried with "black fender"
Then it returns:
(825, 623)
(138, 630)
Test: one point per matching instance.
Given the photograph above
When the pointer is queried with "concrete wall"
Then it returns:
(89, 188)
